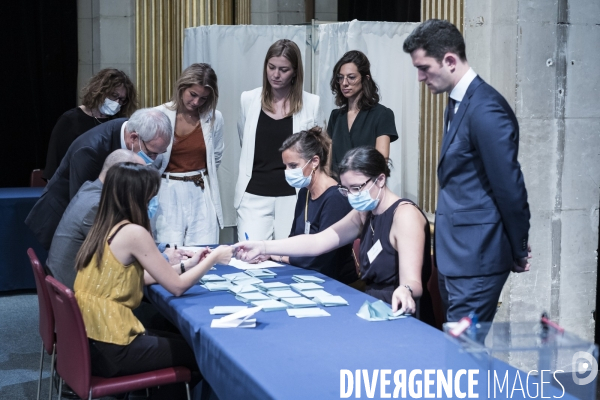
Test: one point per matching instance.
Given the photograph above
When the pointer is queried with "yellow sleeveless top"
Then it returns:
(107, 296)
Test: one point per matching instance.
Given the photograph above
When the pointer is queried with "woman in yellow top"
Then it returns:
(117, 258)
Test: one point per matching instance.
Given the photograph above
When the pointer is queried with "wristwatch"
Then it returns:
(406, 286)
(183, 269)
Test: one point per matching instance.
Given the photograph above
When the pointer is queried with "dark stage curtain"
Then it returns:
(39, 53)
(380, 10)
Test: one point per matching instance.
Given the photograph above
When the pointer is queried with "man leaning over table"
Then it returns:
(482, 215)
(148, 133)
(78, 219)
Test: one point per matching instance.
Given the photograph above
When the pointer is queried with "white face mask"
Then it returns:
(110, 107)
(295, 177)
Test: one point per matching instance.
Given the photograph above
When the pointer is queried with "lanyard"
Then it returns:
(306, 207)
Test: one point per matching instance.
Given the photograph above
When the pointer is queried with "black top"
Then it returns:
(324, 211)
(69, 127)
(367, 127)
(383, 273)
(268, 176)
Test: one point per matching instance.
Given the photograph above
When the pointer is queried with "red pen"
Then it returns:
(554, 325)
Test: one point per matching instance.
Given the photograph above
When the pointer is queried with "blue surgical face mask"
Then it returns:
(152, 207)
(295, 177)
(363, 201)
(143, 155)
(110, 107)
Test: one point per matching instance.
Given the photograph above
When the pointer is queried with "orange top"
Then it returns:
(188, 152)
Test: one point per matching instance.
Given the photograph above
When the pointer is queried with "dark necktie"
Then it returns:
(451, 106)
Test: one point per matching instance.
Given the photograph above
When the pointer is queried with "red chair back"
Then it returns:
(72, 347)
(45, 307)
(36, 179)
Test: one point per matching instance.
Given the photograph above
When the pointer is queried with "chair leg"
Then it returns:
(147, 393)
(60, 389)
(40, 379)
(187, 390)
(52, 372)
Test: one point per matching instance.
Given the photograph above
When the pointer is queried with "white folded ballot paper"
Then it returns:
(307, 278)
(270, 305)
(272, 286)
(239, 264)
(299, 302)
(330, 301)
(283, 294)
(237, 289)
(311, 294)
(218, 286)
(225, 310)
(300, 287)
(261, 273)
(378, 311)
(307, 312)
(212, 278)
(239, 319)
(250, 297)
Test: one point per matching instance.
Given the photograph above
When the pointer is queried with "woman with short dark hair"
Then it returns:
(395, 260)
(361, 120)
(108, 94)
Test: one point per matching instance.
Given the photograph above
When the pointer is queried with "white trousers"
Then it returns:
(186, 215)
(265, 218)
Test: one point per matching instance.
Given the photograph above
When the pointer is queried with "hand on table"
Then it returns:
(403, 298)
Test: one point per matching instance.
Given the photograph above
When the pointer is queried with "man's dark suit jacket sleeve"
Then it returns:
(495, 135)
(84, 166)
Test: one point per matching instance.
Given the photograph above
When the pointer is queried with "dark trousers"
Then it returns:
(152, 351)
(471, 294)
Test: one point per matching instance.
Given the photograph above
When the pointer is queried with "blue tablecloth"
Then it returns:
(15, 238)
(289, 358)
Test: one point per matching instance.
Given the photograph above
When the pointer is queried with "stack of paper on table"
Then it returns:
(219, 310)
(218, 286)
(378, 311)
(300, 287)
(299, 302)
(235, 276)
(307, 312)
(239, 264)
(250, 297)
(212, 278)
(307, 278)
(270, 305)
(239, 319)
(331, 301)
(311, 294)
(237, 289)
(283, 294)
(261, 273)
(272, 286)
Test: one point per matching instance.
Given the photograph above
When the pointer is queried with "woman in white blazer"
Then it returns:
(189, 205)
(264, 201)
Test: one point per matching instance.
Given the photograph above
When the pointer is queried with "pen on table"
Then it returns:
(246, 234)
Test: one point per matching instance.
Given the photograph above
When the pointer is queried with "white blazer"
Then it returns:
(250, 101)
(213, 138)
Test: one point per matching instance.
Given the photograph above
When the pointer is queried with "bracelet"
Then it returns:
(280, 259)
(182, 267)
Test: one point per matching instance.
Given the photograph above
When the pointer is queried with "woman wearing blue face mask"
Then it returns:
(395, 260)
(319, 204)
(109, 94)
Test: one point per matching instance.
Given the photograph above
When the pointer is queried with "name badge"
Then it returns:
(374, 252)
(307, 227)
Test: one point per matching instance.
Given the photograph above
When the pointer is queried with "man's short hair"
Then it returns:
(437, 37)
(150, 124)
(118, 156)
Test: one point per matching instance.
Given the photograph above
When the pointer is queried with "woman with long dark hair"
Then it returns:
(361, 120)
(117, 258)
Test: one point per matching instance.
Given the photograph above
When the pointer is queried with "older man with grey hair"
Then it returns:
(148, 133)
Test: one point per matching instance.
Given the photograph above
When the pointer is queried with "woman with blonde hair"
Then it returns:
(109, 94)
(269, 115)
(189, 204)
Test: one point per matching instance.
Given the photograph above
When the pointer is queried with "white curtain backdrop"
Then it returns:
(237, 53)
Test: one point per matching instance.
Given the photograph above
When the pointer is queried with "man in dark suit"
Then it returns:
(148, 133)
(482, 215)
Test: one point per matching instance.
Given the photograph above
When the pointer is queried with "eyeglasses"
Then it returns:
(149, 153)
(352, 79)
(353, 190)
(115, 97)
